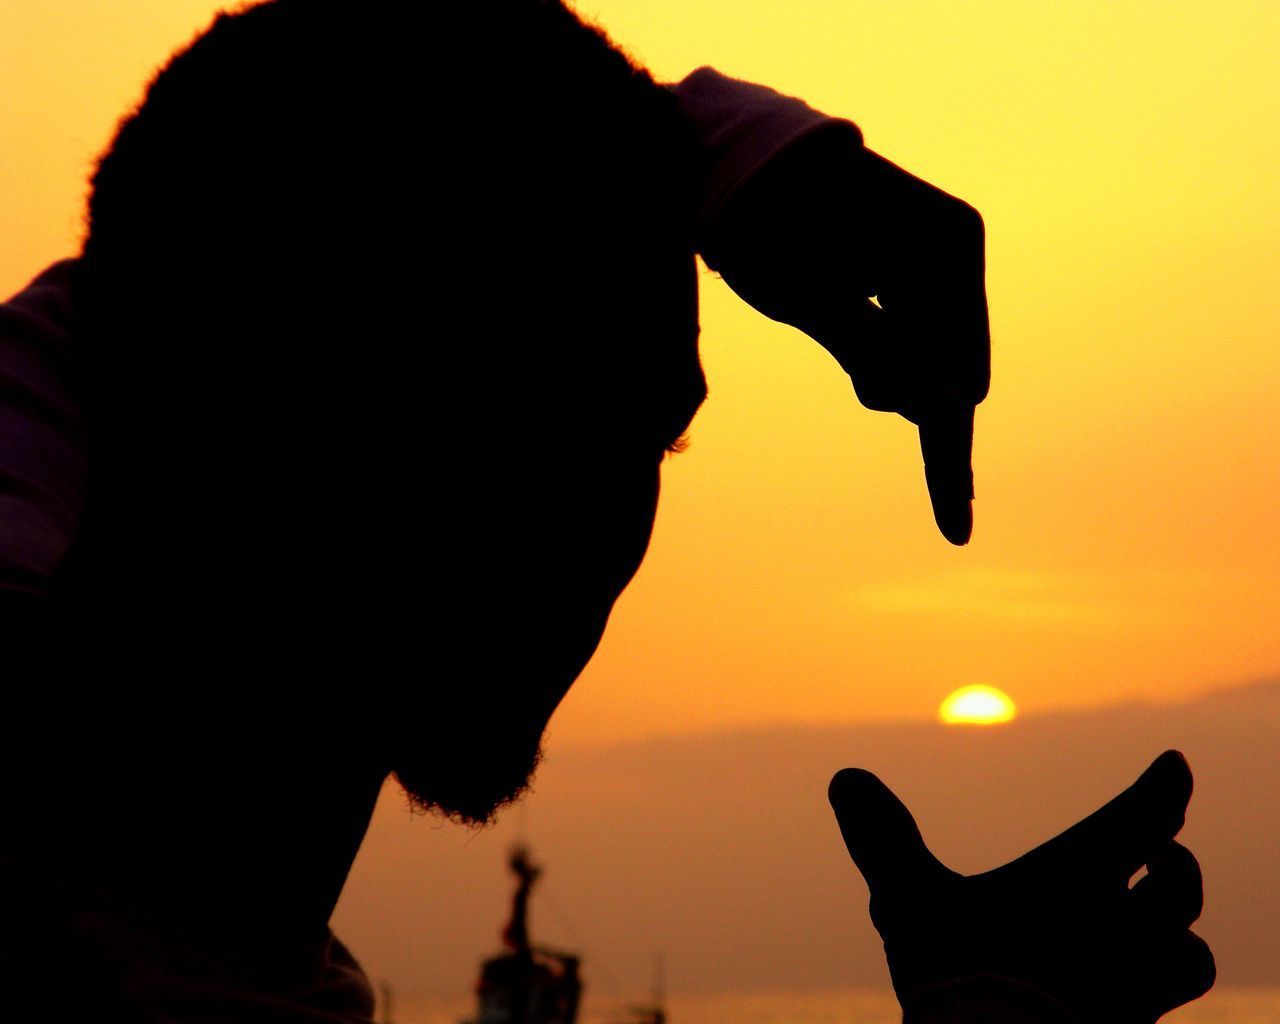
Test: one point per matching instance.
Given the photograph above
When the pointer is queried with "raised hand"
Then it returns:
(1062, 918)
(826, 226)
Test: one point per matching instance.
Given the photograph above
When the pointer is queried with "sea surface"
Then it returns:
(840, 1006)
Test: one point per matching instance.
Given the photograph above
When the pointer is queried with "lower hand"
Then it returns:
(1062, 918)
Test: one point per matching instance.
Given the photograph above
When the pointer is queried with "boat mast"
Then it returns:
(516, 933)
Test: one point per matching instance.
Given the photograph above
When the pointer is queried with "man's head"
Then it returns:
(387, 320)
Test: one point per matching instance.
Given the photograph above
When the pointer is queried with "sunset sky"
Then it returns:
(1126, 159)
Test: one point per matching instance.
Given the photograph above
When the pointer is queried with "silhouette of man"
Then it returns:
(381, 331)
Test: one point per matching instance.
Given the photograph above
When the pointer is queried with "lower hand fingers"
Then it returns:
(1171, 895)
(1185, 972)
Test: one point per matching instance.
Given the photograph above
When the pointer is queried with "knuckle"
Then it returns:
(968, 221)
(1204, 966)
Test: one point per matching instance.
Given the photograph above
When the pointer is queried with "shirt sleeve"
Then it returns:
(984, 999)
(742, 126)
(43, 468)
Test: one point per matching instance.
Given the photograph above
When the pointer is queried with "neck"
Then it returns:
(222, 835)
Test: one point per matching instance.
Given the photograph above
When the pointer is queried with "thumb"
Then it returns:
(946, 442)
(881, 835)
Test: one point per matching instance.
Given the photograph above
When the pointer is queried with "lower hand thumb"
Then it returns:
(881, 835)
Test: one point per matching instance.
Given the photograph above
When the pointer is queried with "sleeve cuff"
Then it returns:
(742, 126)
(984, 999)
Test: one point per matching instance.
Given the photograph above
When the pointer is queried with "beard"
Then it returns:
(487, 730)
(475, 766)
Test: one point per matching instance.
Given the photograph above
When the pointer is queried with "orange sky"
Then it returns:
(1125, 159)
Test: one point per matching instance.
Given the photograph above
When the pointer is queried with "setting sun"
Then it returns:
(977, 705)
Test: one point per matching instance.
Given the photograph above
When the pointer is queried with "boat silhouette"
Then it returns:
(527, 984)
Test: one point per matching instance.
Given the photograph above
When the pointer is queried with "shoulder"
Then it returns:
(43, 469)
